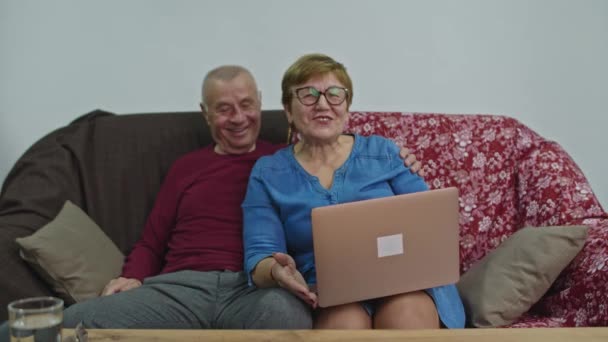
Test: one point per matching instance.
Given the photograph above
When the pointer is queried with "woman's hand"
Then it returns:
(287, 276)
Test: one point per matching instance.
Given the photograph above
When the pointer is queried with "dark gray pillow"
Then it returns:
(72, 254)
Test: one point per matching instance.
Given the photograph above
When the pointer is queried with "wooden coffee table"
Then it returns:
(460, 335)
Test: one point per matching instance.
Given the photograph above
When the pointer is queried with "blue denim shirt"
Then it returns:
(281, 195)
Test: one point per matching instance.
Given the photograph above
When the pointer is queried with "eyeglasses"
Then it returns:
(309, 96)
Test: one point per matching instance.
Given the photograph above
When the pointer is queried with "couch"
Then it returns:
(508, 176)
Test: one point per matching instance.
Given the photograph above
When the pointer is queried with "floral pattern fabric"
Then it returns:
(509, 177)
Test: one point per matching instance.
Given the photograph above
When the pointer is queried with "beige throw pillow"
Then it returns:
(72, 254)
(510, 279)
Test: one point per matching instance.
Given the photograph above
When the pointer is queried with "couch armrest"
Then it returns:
(32, 194)
(578, 296)
(18, 280)
(552, 189)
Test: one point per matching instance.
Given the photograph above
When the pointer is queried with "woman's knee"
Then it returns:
(347, 316)
(414, 310)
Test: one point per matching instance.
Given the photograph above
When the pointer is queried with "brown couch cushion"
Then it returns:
(73, 255)
(509, 280)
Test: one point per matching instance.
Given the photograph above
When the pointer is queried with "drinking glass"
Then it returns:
(36, 319)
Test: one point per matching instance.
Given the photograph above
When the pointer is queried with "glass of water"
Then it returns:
(36, 319)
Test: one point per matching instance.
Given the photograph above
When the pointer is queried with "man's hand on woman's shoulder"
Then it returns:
(409, 159)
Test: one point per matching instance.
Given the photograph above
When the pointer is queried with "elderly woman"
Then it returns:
(327, 167)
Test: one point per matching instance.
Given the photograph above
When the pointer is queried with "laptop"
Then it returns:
(385, 246)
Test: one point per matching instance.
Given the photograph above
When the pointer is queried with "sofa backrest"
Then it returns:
(508, 176)
(110, 165)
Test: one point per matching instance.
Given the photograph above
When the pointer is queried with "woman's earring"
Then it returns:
(291, 131)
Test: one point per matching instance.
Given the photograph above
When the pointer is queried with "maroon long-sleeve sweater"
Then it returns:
(197, 222)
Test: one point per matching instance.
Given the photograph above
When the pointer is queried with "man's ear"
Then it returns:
(204, 111)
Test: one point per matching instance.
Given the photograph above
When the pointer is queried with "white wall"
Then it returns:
(541, 61)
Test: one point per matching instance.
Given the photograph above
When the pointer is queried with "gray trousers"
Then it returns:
(193, 300)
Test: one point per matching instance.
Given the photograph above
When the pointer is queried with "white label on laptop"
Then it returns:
(390, 245)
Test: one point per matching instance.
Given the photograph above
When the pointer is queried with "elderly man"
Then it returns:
(186, 271)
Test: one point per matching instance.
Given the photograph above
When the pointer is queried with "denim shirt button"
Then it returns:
(332, 197)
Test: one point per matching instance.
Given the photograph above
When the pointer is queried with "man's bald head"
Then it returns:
(223, 73)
